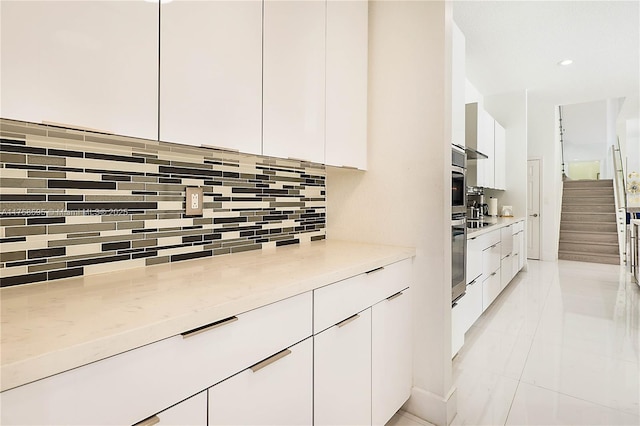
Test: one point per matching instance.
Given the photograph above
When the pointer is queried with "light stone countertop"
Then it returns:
(51, 327)
(496, 223)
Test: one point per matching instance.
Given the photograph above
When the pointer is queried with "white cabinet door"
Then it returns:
(457, 325)
(458, 77)
(491, 260)
(82, 63)
(346, 93)
(490, 289)
(506, 240)
(506, 269)
(473, 304)
(294, 79)
(342, 373)
(486, 167)
(191, 412)
(474, 258)
(211, 74)
(391, 358)
(276, 391)
(500, 157)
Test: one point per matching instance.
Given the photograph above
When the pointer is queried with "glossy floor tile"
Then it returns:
(560, 345)
(402, 418)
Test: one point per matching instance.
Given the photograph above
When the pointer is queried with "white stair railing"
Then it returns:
(620, 196)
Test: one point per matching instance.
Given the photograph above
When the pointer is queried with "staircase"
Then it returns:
(588, 231)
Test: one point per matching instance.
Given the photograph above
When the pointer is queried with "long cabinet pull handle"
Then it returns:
(208, 327)
(395, 296)
(348, 320)
(375, 270)
(153, 420)
(262, 364)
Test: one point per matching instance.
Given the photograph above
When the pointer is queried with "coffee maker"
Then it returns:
(476, 207)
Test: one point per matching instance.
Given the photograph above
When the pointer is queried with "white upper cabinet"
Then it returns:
(500, 166)
(479, 135)
(82, 63)
(294, 79)
(211, 74)
(458, 82)
(346, 92)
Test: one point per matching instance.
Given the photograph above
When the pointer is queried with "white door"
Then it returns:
(533, 209)
(342, 373)
(211, 74)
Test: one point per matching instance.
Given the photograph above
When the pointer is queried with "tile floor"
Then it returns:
(560, 346)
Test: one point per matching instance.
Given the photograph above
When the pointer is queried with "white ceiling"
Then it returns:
(516, 45)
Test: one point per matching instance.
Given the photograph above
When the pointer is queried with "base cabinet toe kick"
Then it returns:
(337, 354)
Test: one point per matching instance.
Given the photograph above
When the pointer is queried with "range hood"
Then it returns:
(472, 154)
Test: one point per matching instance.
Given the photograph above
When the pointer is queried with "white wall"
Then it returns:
(510, 110)
(543, 142)
(404, 197)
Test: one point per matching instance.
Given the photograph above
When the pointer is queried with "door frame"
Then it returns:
(540, 216)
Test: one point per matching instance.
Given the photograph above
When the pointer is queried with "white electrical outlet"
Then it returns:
(193, 202)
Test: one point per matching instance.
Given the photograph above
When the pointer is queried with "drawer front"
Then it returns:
(506, 239)
(490, 289)
(491, 260)
(490, 238)
(335, 302)
(474, 259)
(506, 267)
(129, 387)
(518, 226)
(278, 393)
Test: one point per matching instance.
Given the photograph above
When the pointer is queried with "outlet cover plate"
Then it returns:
(193, 202)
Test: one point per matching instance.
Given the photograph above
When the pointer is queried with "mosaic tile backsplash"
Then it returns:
(78, 202)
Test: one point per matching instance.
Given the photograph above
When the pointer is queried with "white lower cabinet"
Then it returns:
(190, 412)
(391, 359)
(276, 391)
(457, 326)
(506, 271)
(342, 372)
(473, 304)
(490, 289)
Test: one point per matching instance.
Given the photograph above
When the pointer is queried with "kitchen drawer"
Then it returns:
(491, 259)
(474, 258)
(506, 268)
(192, 412)
(490, 289)
(335, 302)
(129, 387)
(506, 239)
(518, 227)
(490, 238)
(277, 391)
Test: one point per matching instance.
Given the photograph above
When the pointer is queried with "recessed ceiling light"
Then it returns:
(565, 62)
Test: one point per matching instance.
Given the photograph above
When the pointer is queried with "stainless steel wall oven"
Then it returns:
(458, 223)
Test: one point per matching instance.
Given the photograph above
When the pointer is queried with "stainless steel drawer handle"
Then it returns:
(395, 296)
(208, 327)
(262, 364)
(507, 255)
(153, 420)
(375, 270)
(493, 273)
(348, 320)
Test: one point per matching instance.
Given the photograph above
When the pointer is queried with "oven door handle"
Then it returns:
(458, 222)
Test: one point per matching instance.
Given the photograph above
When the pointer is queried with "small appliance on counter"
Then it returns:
(475, 202)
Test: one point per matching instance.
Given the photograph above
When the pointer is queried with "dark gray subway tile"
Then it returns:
(48, 252)
(81, 184)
